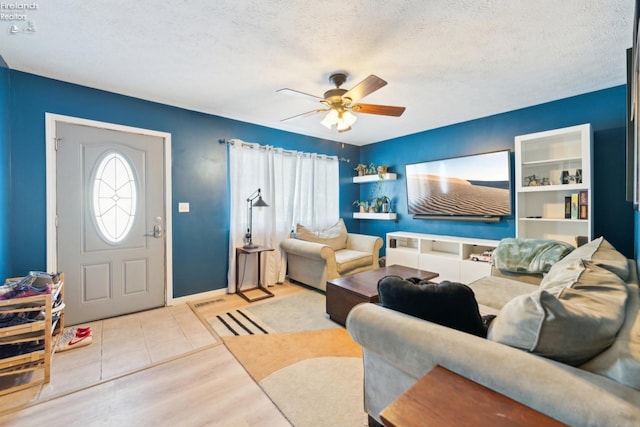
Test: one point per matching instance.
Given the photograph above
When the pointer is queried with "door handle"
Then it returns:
(157, 229)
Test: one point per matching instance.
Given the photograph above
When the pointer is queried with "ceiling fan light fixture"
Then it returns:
(342, 119)
(341, 103)
(345, 120)
(330, 119)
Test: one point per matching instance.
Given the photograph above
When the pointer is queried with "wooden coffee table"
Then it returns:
(344, 293)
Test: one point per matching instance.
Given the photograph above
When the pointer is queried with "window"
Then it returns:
(114, 197)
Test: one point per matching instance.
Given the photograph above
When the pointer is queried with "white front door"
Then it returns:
(111, 221)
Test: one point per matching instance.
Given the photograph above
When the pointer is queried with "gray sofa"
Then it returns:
(604, 390)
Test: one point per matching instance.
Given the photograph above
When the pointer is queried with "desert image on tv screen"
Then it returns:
(473, 185)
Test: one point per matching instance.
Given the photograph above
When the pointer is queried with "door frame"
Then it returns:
(51, 123)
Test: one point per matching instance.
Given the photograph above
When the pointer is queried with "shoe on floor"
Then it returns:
(70, 342)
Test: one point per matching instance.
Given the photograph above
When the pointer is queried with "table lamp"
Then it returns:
(250, 204)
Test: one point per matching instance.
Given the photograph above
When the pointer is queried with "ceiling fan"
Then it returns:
(340, 104)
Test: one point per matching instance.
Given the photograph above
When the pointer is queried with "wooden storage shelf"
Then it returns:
(25, 365)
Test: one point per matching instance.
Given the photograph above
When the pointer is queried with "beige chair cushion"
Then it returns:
(348, 260)
(335, 236)
(570, 318)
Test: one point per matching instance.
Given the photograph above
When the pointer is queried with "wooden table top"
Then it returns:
(444, 398)
(366, 283)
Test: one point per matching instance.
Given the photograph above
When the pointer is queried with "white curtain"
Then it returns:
(298, 187)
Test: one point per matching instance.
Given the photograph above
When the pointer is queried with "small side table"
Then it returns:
(246, 252)
(444, 398)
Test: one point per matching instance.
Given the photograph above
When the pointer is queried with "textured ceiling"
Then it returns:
(447, 61)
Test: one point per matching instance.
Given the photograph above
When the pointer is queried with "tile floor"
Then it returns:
(121, 345)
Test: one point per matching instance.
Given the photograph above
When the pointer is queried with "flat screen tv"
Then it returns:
(470, 187)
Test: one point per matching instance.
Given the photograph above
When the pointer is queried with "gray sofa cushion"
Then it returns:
(495, 292)
(529, 256)
(598, 251)
(571, 318)
(621, 361)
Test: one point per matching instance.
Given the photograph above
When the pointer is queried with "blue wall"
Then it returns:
(5, 134)
(199, 169)
(199, 172)
(605, 110)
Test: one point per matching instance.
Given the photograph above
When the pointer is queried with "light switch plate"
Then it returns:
(183, 207)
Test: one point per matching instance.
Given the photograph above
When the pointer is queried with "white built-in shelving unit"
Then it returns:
(541, 202)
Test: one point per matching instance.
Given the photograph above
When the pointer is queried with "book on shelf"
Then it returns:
(567, 207)
(583, 205)
(574, 206)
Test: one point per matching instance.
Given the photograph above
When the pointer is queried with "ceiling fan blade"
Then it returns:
(299, 94)
(308, 113)
(383, 110)
(364, 88)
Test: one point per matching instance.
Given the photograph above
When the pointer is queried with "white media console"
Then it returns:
(448, 256)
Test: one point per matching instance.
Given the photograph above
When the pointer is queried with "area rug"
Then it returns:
(303, 311)
(314, 377)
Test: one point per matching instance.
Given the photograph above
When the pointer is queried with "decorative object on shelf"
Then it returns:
(250, 204)
(361, 169)
(383, 203)
(574, 206)
(484, 256)
(583, 205)
(578, 176)
(531, 181)
(372, 170)
(566, 178)
(363, 205)
(382, 169)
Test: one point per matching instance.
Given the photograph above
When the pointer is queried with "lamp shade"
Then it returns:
(330, 119)
(345, 120)
(260, 203)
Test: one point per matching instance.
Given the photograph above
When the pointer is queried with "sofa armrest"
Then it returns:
(364, 243)
(415, 346)
(307, 249)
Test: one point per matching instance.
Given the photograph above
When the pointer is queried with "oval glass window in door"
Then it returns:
(114, 197)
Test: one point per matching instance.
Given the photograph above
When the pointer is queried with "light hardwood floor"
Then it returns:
(153, 368)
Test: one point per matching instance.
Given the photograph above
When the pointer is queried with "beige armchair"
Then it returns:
(314, 263)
